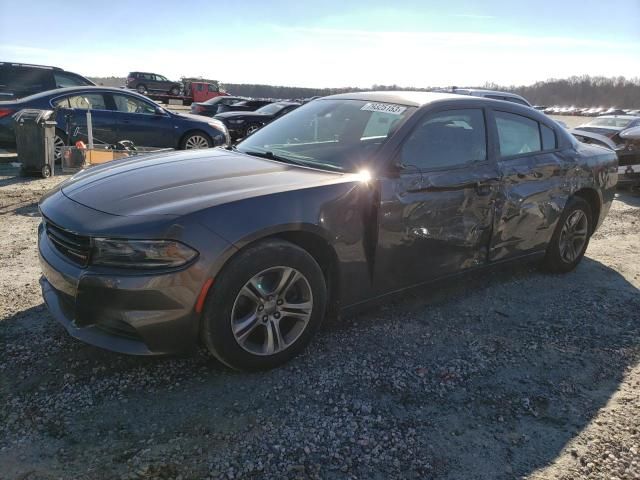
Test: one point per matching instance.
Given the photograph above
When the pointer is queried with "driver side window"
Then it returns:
(450, 138)
(128, 104)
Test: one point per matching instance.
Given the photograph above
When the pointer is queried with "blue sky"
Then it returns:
(330, 43)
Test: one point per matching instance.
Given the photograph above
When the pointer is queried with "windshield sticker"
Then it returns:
(384, 107)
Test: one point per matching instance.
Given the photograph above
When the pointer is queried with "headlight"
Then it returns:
(236, 122)
(140, 253)
(216, 124)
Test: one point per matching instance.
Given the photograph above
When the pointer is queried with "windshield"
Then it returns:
(610, 122)
(333, 134)
(271, 108)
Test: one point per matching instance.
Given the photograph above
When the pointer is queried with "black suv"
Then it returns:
(145, 82)
(19, 80)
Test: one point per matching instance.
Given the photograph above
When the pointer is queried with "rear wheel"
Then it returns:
(59, 142)
(265, 307)
(571, 237)
(142, 89)
(196, 140)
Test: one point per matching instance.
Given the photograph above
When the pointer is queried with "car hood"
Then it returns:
(184, 182)
(195, 118)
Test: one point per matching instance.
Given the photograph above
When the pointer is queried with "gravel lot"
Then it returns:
(508, 374)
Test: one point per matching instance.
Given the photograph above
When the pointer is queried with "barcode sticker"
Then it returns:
(384, 107)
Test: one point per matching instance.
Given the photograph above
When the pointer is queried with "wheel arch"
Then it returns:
(592, 197)
(314, 243)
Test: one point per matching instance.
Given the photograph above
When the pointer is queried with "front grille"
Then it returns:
(73, 246)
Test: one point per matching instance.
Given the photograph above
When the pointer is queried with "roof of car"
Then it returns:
(403, 97)
(33, 65)
(62, 91)
(627, 117)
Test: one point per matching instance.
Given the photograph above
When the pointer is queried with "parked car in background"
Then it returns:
(245, 105)
(19, 80)
(152, 82)
(117, 114)
(242, 123)
(493, 94)
(621, 134)
(345, 200)
(613, 111)
(215, 105)
(610, 125)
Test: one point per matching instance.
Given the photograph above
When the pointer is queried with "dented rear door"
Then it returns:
(533, 189)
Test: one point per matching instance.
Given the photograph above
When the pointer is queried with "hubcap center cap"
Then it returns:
(270, 307)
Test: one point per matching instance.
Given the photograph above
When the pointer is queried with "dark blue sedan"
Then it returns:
(116, 115)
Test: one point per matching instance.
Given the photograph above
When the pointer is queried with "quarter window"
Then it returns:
(447, 139)
(517, 134)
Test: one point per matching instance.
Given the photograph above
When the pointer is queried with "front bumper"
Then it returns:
(141, 315)
(629, 175)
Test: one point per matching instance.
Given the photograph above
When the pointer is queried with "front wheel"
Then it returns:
(174, 91)
(571, 237)
(265, 306)
(196, 140)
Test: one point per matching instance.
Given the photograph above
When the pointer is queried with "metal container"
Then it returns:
(35, 132)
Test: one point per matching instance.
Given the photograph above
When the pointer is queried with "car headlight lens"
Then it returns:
(140, 253)
(236, 122)
(217, 124)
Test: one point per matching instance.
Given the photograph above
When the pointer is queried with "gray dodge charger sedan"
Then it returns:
(343, 201)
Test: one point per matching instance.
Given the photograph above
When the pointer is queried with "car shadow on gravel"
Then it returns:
(487, 376)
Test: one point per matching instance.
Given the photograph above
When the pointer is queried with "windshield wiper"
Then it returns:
(302, 163)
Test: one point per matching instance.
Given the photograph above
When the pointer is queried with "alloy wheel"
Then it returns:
(196, 141)
(272, 310)
(573, 236)
(58, 145)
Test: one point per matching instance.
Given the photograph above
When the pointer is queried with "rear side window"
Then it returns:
(84, 101)
(447, 139)
(517, 134)
(548, 137)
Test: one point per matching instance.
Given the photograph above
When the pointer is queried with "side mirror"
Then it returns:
(159, 111)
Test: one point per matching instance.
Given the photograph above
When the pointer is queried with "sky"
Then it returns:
(329, 43)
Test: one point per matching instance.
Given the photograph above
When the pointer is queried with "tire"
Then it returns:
(142, 89)
(174, 91)
(45, 171)
(230, 305)
(559, 258)
(195, 140)
(251, 129)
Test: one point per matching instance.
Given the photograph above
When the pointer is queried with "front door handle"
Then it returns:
(484, 188)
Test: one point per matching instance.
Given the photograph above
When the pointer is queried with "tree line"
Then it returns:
(580, 91)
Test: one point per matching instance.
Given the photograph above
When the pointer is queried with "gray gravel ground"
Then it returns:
(506, 374)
